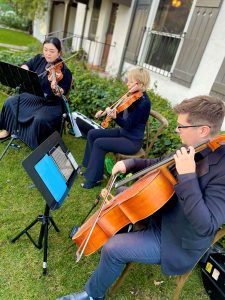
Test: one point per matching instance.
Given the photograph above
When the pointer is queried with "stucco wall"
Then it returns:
(119, 37)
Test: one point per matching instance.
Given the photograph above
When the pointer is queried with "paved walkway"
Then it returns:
(14, 46)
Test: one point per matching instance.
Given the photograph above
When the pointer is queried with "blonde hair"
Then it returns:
(141, 76)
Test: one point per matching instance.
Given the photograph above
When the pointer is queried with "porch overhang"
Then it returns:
(71, 1)
(124, 2)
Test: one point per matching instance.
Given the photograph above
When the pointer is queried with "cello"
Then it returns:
(147, 195)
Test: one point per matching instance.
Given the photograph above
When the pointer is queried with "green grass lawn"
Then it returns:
(21, 263)
(8, 36)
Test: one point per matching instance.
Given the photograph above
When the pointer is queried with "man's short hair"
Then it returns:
(203, 110)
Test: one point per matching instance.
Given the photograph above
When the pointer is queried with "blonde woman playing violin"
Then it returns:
(127, 139)
(38, 116)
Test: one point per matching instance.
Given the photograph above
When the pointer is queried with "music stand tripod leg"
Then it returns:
(53, 224)
(45, 220)
(25, 231)
(15, 130)
(45, 250)
(13, 137)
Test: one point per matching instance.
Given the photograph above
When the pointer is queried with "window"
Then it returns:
(164, 37)
(171, 16)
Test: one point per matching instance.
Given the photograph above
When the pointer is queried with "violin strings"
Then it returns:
(121, 99)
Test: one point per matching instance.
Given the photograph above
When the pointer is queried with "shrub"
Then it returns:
(15, 58)
(12, 20)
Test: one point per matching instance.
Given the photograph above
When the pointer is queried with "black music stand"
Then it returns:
(53, 170)
(23, 81)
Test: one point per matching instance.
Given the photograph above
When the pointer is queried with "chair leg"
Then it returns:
(119, 281)
(180, 280)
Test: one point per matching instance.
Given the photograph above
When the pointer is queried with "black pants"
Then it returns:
(101, 141)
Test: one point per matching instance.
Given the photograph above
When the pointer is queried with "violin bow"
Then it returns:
(83, 245)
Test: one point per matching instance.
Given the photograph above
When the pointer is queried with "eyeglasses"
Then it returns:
(187, 126)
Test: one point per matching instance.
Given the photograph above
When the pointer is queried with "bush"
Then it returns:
(168, 141)
(17, 58)
(12, 20)
(92, 92)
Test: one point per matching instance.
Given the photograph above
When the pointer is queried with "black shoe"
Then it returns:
(79, 296)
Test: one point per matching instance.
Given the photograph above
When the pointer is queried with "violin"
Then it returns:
(143, 198)
(55, 74)
(122, 103)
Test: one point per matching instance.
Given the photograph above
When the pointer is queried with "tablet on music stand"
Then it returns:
(53, 169)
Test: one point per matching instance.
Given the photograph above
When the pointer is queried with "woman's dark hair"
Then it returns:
(55, 41)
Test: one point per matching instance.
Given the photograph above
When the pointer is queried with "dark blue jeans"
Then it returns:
(140, 246)
(101, 141)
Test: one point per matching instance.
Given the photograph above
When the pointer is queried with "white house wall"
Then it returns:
(40, 28)
(93, 49)
(119, 38)
(57, 22)
(72, 18)
(78, 25)
(101, 31)
(41, 25)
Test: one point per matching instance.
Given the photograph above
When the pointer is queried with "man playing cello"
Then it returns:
(181, 231)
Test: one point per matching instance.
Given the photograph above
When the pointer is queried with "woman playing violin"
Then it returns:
(38, 117)
(181, 231)
(127, 138)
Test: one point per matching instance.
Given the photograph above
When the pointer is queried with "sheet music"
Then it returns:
(63, 162)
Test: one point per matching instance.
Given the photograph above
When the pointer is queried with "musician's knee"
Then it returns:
(112, 248)
(91, 135)
(108, 250)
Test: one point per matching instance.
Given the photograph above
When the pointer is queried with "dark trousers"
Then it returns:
(140, 246)
(101, 141)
